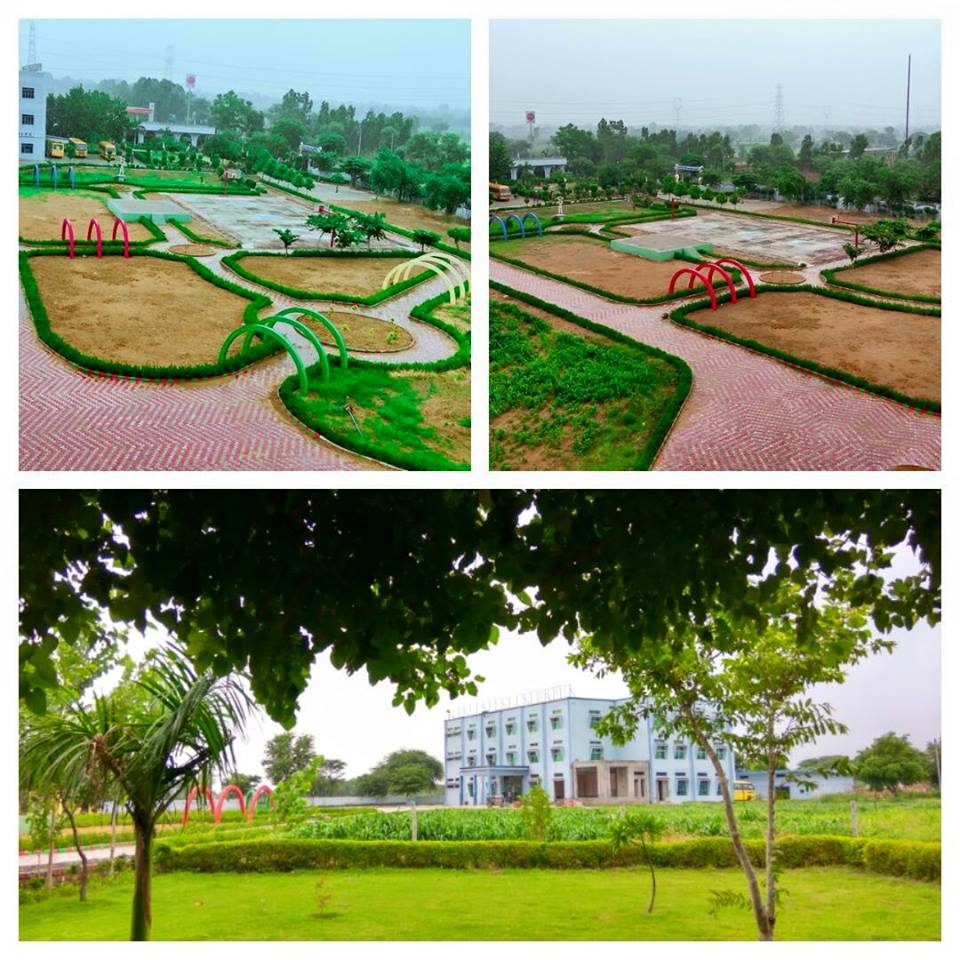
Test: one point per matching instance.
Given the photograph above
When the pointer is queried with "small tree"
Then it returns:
(459, 235)
(338, 179)
(535, 812)
(643, 827)
(891, 762)
(290, 795)
(348, 237)
(425, 237)
(287, 238)
(852, 250)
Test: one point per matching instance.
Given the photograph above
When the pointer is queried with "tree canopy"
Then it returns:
(412, 582)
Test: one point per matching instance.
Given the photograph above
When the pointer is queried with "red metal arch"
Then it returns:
(126, 236)
(743, 270)
(224, 793)
(191, 796)
(710, 268)
(65, 228)
(700, 276)
(90, 226)
(262, 790)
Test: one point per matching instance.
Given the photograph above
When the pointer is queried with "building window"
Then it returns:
(557, 753)
(719, 789)
(471, 733)
(703, 787)
(511, 727)
(596, 751)
(660, 750)
(469, 788)
(679, 751)
(471, 761)
(532, 724)
(533, 756)
(701, 753)
(491, 731)
(26, 148)
(26, 119)
(511, 759)
(491, 759)
(594, 719)
(721, 753)
(26, 93)
(682, 786)
(556, 722)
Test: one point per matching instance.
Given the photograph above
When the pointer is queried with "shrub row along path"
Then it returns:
(72, 420)
(747, 411)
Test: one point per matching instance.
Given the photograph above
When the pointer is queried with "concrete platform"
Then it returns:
(662, 247)
(131, 210)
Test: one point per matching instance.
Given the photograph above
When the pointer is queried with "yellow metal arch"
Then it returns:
(438, 263)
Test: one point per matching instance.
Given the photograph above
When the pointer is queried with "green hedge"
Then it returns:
(831, 275)
(351, 440)
(918, 861)
(109, 246)
(680, 315)
(671, 410)
(233, 263)
(53, 340)
(196, 238)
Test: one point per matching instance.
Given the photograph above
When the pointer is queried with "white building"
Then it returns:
(33, 113)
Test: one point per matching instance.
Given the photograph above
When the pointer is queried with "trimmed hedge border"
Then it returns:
(86, 246)
(599, 291)
(196, 238)
(661, 429)
(918, 861)
(144, 372)
(233, 263)
(831, 275)
(513, 231)
(680, 316)
(354, 442)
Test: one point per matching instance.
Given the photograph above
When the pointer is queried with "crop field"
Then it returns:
(392, 904)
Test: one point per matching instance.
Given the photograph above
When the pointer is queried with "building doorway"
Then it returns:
(639, 786)
(618, 781)
(663, 789)
(558, 791)
(587, 782)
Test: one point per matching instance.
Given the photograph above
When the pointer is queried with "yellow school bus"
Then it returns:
(56, 147)
(499, 191)
(107, 150)
(744, 790)
(79, 147)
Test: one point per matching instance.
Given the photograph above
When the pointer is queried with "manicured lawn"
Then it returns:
(823, 904)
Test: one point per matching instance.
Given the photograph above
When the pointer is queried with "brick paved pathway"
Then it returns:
(745, 410)
(70, 420)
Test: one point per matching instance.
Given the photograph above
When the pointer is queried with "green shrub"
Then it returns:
(902, 858)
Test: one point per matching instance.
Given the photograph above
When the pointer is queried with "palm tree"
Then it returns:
(174, 732)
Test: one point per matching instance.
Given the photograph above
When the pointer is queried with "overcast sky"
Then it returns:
(423, 63)
(355, 722)
(724, 72)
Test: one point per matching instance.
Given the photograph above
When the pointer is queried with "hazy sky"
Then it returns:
(724, 72)
(354, 721)
(422, 63)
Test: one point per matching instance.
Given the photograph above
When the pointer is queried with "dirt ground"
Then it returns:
(410, 216)
(141, 310)
(814, 212)
(357, 276)
(447, 402)
(456, 314)
(192, 249)
(360, 332)
(893, 348)
(912, 273)
(42, 214)
(596, 264)
(781, 277)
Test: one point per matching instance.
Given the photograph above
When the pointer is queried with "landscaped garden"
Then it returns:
(913, 273)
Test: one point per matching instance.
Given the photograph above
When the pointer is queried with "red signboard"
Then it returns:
(531, 116)
(191, 80)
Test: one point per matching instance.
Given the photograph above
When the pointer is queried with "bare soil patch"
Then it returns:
(361, 332)
(888, 347)
(825, 213)
(596, 264)
(446, 402)
(781, 277)
(42, 215)
(357, 276)
(142, 310)
(410, 216)
(911, 274)
(192, 249)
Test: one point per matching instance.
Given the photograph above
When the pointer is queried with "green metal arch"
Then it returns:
(302, 329)
(279, 337)
(328, 323)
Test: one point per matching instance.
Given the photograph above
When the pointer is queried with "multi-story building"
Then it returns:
(501, 753)
(33, 112)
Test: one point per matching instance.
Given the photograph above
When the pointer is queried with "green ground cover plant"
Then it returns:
(387, 408)
(612, 402)
(53, 340)
(835, 276)
(682, 316)
(827, 903)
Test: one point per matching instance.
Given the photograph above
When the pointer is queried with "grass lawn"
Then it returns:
(565, 398)
(823, 904)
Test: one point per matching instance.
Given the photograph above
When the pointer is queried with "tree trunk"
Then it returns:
(769, 850)
(84, 874)
(653, 874)
(142, 919)
(53, 846)
(113, 833)
(743, 858)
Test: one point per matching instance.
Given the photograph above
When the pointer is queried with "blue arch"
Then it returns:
(536, 220)
(513, 216)
(503, 226)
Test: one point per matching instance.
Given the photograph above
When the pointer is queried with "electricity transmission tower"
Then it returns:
(778, 110)
(32, 44)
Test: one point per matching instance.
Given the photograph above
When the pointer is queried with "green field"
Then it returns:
(823, 904)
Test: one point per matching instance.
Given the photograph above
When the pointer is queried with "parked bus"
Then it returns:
(744, 790)
(56, 147)
(500, 191)
(107, 150)
(79, 147)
